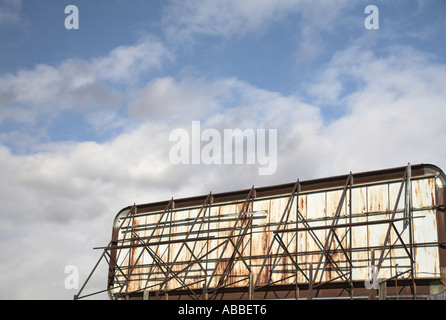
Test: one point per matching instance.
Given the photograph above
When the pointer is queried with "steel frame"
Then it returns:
(335, 252)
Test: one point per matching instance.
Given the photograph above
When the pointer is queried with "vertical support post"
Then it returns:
(408, 198)
(204, 292)
(251, 276)
(206, 278)
(146, 295)
(297, 285)
(297, 225)
(310, 283)
(251, 287)
(297, 246)
(372, 294)
(383, 290)
(409, 222)
(350, 231)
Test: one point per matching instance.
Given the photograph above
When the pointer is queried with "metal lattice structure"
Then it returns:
(379, 234)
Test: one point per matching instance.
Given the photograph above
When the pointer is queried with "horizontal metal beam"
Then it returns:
(154, 243)
(347, 225)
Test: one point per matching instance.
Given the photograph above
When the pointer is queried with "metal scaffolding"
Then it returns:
(219, 263)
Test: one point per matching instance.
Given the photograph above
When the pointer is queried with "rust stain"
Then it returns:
(303, 205)
(432, 193)
(362, 200)
(134, 285)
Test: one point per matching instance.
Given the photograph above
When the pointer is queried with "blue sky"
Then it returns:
(282, 54)
(85, 114)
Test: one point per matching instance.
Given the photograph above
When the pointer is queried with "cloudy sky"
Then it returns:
(86, 114)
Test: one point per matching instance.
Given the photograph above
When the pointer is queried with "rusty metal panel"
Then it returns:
(378, 209)
(260, 239)
(426, 257)
(316, 208)
(276, 211)
(359, 234)
(214, 224)
(218, 246)
(339, 243)
(423, 193)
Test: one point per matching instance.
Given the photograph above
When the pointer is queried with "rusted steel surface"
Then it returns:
(305, 239)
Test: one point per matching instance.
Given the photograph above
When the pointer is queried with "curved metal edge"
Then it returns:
(441, 220)
(115, 235)
(439, 173)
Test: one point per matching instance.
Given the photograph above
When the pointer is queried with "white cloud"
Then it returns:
(393, 107)
(390, 114)
(393, 112)
(126, 64)
(165, 99)
(78, 84)
(226, 18)
(70, 85)
(35, 99)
